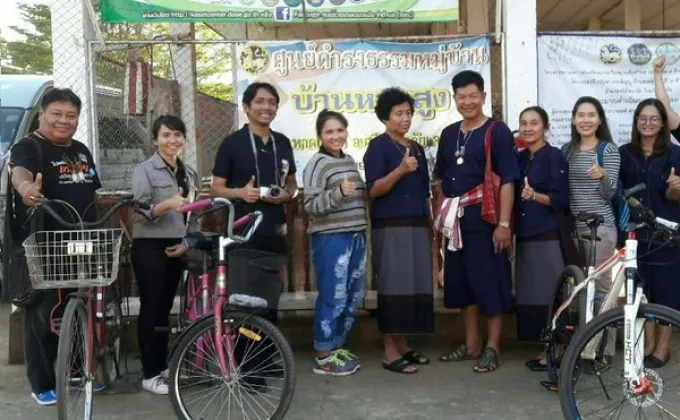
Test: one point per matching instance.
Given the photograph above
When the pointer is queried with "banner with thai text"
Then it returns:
(279, 11)
(348, 76)
(617, 70)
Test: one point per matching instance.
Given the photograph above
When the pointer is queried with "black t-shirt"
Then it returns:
(68, 174)
(236, 163)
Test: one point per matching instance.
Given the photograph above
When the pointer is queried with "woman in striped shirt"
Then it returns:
(592, 185)
(335, 201)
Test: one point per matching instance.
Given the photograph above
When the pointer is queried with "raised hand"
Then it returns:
(659, 64)
(596, 171)
(347, 187)
(408, 163)
(249, 193)
(31, 192)
(528, 193)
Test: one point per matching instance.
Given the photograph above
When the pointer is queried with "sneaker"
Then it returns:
(165, 374)
(45, 398)
(335, 365)
(156, 385)
(96, 387)
(348, 356)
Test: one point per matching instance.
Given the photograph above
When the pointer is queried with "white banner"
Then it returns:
(346, 76)
(617, 70)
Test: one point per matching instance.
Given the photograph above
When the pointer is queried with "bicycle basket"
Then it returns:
(256, 274)
(72, 259)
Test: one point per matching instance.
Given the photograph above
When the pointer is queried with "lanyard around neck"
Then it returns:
(257, 164)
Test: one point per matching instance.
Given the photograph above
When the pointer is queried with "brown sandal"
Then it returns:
(459, 354)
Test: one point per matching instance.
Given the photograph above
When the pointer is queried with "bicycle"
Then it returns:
(216, 338)
(641, 386)
(85, 260)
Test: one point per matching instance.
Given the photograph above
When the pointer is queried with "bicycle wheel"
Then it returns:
(268, 365)
(110, 366)
(570, 320)
(601, 376)
(74, 362)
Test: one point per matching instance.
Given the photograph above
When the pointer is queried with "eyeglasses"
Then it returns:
(653, 120)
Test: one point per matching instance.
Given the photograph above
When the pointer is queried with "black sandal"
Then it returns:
(488, 362)
(653, 362)
(535, 365)
(459, 354)
(399, 366)
(415, 358)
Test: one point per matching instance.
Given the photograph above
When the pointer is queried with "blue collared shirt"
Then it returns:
(548, 173)
(456, 179)
(653, 171)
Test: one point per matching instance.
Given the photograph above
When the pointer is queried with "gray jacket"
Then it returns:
(153, 182)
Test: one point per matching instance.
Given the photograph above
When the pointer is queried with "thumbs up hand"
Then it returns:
(30, 192)
(249, 193)
(659, 64)
(596, 171)
(347, 187)
(673, 181)
(528, 193)
(408, 163)
(177, 200)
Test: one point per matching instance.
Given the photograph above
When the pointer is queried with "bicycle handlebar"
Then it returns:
(211, 204)
(46, 204)
(647, 215)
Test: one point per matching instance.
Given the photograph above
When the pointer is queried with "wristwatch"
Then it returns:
(504, 224)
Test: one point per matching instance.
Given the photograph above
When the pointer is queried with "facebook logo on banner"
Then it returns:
(283, 14)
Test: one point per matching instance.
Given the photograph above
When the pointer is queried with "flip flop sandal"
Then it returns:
(535, 365)
(488, 362)
(399, 366)
(415, 358)
(458, 355)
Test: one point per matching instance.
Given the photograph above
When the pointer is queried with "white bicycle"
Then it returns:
(583, 367)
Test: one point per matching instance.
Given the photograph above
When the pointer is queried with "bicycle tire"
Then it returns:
(270, 330)
(75, 316)
(110, 366)
(585, 334)
(562, 293)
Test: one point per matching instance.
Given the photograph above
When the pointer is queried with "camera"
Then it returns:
(273, 191)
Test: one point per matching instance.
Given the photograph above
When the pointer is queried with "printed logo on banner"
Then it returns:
(247, 2)
(639, 54)
(283, 14)
(293, 3)
(315, 3)
(337, 2)
(610, 54)
(356, 1)
(270, 3)
(670, 51)
(254, 59)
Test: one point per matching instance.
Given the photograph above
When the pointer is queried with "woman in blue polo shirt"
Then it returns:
(542, 192)
(652, 159)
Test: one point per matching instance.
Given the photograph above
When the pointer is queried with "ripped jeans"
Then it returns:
(339, 262)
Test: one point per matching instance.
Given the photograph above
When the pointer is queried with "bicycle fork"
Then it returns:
(224, 355)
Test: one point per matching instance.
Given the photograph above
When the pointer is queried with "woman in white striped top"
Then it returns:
(592, 184)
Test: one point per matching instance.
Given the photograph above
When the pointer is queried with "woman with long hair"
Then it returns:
(652, 159)
(542, 194)
(594, 163)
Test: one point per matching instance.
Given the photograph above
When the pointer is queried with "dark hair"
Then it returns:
(170, 121)
(388, 99)
(465, 78)
(61, 95)
(663, 143)
(602, 133)
(252, 89)
(326, 115)
(542, 114)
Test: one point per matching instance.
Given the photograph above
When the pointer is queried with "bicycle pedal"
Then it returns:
(550, 386)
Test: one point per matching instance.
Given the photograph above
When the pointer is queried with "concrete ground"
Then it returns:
(439, 391)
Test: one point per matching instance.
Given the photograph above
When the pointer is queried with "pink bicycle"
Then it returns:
(231, 362)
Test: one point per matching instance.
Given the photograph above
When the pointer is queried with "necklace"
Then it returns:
(460, 149)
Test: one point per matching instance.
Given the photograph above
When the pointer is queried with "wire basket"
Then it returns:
(73, 259)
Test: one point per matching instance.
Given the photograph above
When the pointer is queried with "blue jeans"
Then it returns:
(339, 262)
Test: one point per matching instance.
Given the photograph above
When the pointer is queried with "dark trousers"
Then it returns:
(157, 279)
(40, 344)
(277, 245)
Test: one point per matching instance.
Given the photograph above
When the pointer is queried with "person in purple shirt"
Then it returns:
(541, 194)
(477, 276)
(652, 159)
(398, 183)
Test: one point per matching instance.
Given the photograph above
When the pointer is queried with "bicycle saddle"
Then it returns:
(589, 218)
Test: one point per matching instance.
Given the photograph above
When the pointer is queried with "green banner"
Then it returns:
(279, 11)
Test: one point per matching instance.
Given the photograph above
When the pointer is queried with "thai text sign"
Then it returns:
(282, 11)
(618, 71)
(348, 76)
